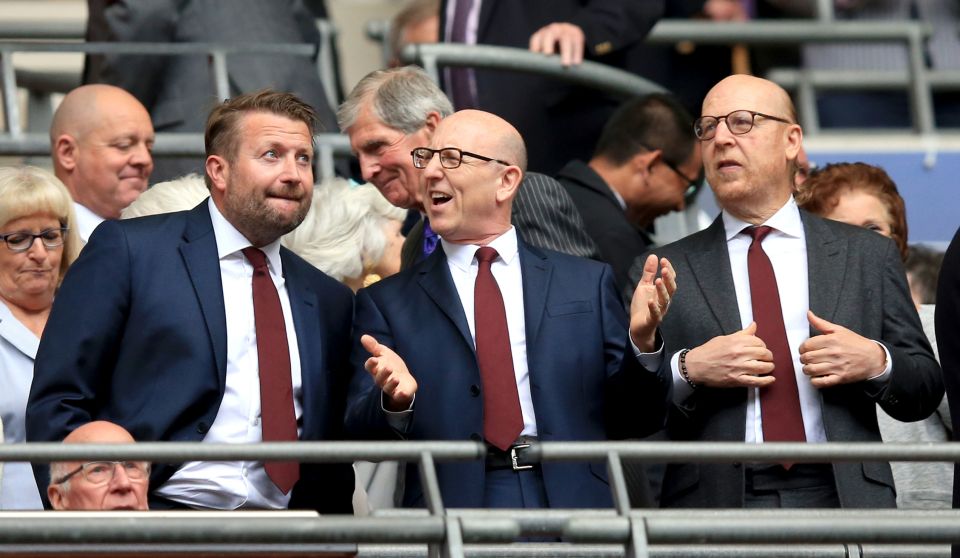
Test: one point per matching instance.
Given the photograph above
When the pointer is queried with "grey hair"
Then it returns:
(343, 231)
(400, 97)
(57, 470)
(173, 195)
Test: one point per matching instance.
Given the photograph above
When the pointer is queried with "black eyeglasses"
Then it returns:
(101, 472)
(21, 241)
(692, 184)
(450, 157)
(739, 122)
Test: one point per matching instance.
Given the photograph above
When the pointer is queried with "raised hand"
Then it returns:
(390, 374)
(565, 37)
(650, 302)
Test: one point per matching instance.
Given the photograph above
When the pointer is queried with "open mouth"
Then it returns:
(728, 164)
(439, 198)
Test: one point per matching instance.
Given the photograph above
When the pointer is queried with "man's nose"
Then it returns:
(369, 166)
(140, 155)
(120, 480)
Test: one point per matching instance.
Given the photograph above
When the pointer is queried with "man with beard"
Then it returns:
(198, 325)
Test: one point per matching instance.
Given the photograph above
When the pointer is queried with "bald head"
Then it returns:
(99, 485)
(751, 170)
(471, 204)
(100, 140)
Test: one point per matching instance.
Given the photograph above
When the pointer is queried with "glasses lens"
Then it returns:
(421, 157)
(450, 158)
(705, 127)
(740, 122)
(19, 241)
(134, 469)
(52, 238)
(98, 472)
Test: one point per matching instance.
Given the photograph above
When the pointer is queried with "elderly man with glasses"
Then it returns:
(99, 485)
(789, 328)
(491, 339)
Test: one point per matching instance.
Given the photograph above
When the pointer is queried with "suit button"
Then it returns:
(474, 390)
(203, 427)
(476, 437)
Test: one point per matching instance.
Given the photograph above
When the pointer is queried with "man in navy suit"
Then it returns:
(422, 367)
(155, 329)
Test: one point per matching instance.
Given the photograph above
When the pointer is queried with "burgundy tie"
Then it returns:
(502, 420)
(780, 401)
(279, 422)
(461, 87)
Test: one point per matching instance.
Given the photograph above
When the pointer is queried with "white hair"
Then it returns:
(178, 194)
(343, 234)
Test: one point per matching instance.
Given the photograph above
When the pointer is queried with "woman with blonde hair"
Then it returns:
(37, 227)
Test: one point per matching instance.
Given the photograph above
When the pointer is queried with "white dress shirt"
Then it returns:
(86, 221)
(462, 262)
(239, 484)
(786, 246)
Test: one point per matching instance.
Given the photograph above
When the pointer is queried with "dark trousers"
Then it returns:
(505, 488)
(802, 486)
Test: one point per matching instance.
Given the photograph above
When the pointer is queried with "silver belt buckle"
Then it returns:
(513, 458)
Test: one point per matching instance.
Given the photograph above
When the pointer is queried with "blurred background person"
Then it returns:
(923, 270)
(865, 196)
(351, 233)
(39, 244)
(99, 485)
(100, 141)
(417, 22)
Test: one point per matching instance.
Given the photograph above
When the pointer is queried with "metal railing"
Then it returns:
(449, 532)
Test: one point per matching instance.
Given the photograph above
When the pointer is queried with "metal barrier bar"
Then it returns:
(162, 49)
(592, 74)
(783, 31)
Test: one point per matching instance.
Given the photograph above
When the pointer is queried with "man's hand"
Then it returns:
(568, 36)
(650, 302)
(391, 375)
(740, 359)
(839, 356)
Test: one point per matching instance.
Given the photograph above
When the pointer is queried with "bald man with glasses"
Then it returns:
(491, 339)
(787, 328)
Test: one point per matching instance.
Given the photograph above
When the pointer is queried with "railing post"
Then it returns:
(220, 80)
(11, 104)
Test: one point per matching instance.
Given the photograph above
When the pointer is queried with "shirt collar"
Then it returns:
(786, 220)
(86, 221)
(230, 241)
(463, 255)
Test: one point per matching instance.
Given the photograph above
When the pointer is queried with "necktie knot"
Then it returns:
(486, 255)
(758, 233)
(255, 256)
(430, 238)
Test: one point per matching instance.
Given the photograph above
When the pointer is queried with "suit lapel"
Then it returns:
(826, 266)
(536, 271)
(438, 285)
(199, 252)
(710, 267)
(310, 334)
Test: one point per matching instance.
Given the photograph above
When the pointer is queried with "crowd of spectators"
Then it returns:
(248, 303)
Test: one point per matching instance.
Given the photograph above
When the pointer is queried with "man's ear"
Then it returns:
(643, 162)
(509, 183)
(794, 141)
(433, 120)
(55, 496)
(65, 150)
(218, 169)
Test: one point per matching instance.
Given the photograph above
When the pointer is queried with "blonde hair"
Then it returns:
(342, 234)
(28, 190)
(173, 195)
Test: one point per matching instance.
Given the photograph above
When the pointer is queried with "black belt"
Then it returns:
(516, 457)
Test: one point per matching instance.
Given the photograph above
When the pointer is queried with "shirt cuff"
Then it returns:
(882, 379)
(681, 388)
(650, 361)
(399, 420)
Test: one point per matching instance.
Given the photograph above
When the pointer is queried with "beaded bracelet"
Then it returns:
(683, 369)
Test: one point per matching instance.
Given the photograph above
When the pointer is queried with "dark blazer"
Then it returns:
(856, 280)
(619, 240)
(585, 382)
(544, 215)
(137, 336)
(948, 343)
(546, 111)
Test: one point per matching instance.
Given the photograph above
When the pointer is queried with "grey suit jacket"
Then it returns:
(856, 280)
(544, 215)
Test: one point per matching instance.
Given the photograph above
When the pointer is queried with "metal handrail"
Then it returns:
(593, 74)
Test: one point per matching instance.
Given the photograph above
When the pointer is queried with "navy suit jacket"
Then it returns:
(137, 335)
(585, 382)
